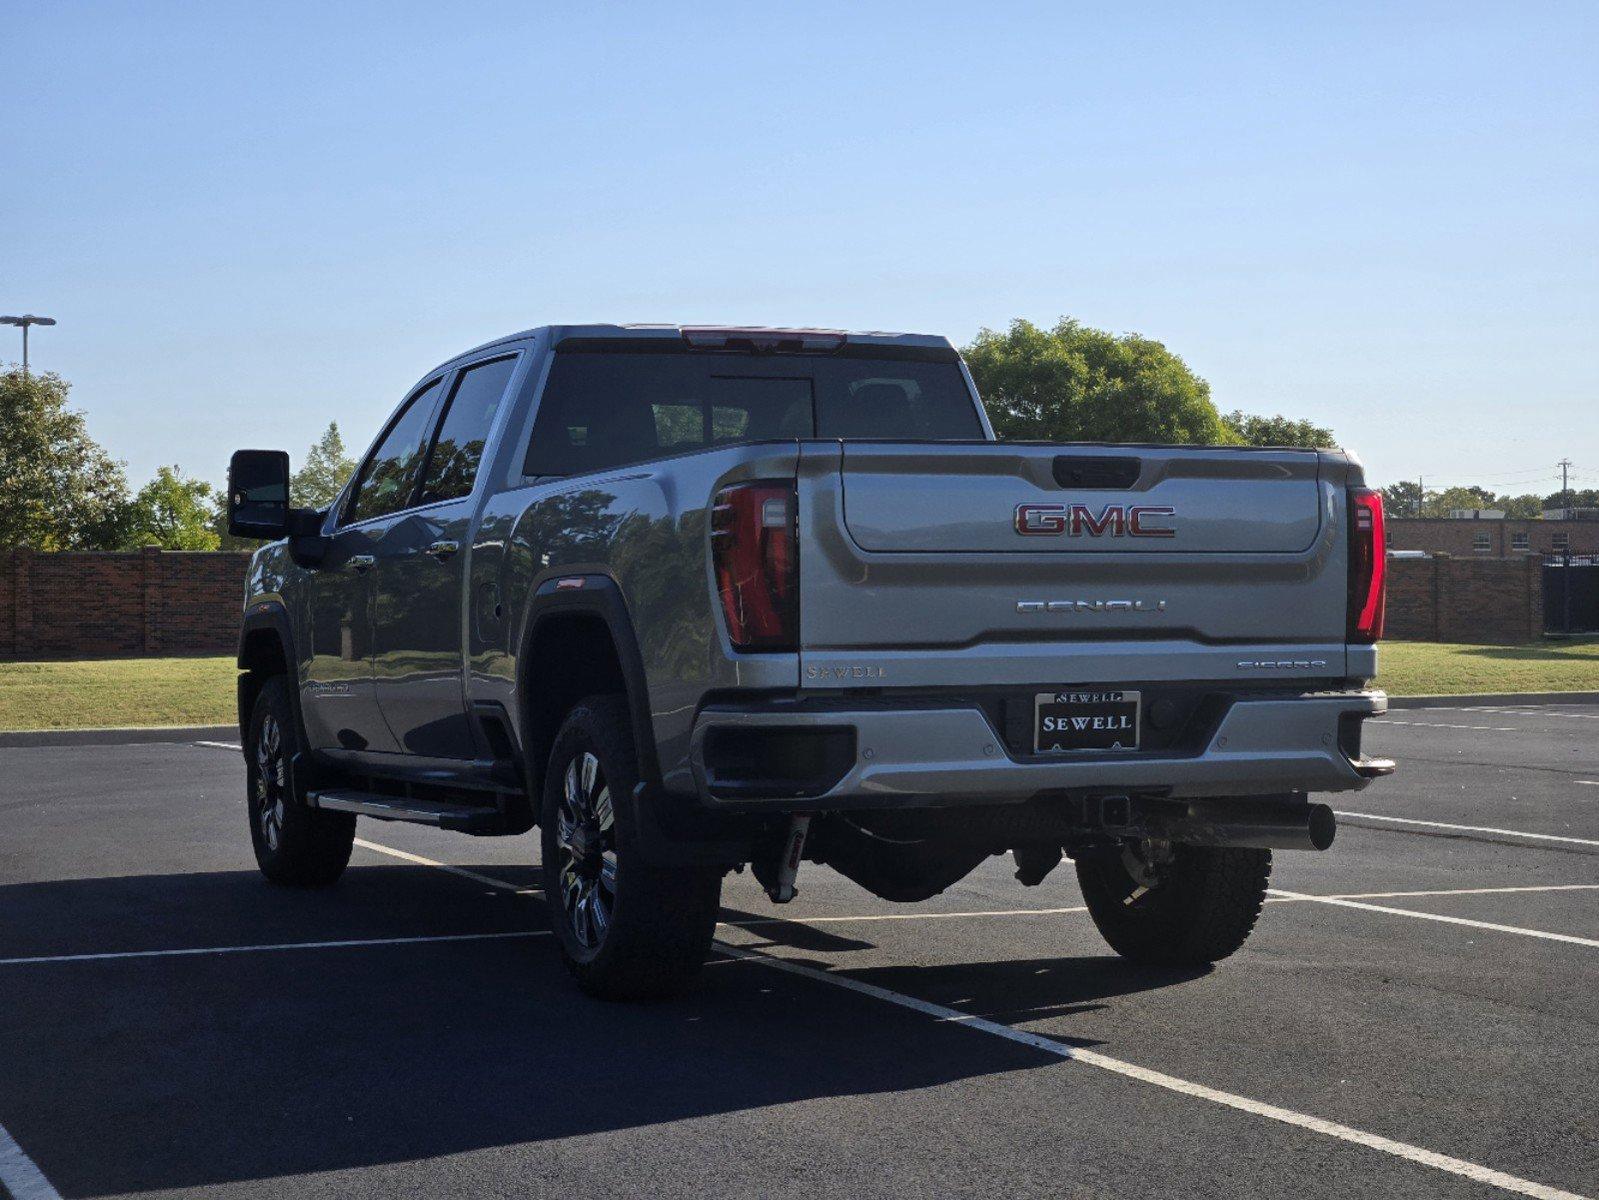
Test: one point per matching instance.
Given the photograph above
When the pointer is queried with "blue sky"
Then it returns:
(252, 218)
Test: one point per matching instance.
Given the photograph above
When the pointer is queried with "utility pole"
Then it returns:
(1565, 559)
(24, 321)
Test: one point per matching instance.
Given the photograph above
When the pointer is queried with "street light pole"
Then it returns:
(24, 321)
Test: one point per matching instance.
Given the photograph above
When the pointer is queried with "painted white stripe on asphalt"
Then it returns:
(221, 745)
(1529, 712)
(1443, 725)
(1426, 916)
(186, 952)
(1492, 891)
(1589, 782)
(1346, 1133)
(1520, 833)
(1171, 1083)
(19, 1175)
(407, 856)
(1515, 710)
(925, 916)
(1052, 912)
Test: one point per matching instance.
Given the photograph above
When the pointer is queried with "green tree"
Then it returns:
(1576, 498)
(1439, 504)
(174, 512)
(1277, 431)
(316, 484)
(1522, 508)
(58, 489)
(1073, 383)
(1402, 499)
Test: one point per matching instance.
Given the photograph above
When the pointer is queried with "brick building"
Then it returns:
(1490, 538)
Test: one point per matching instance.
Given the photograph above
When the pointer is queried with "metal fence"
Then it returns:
(1571, 593)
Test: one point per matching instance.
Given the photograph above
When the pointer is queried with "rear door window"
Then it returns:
(387, 482)
(468, 416)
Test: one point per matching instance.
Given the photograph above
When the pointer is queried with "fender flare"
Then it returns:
(271, 616)
(598, 595)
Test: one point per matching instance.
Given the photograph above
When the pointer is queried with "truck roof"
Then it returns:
(676, 333)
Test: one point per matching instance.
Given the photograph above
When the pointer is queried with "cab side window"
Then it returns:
(468, 416)
(388, 478)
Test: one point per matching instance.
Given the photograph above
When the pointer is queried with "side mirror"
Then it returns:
(258, 494)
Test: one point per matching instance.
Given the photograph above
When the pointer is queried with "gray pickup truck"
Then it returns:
(690, 600)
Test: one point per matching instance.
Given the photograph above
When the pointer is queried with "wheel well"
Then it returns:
(260, 657)
(570, 655)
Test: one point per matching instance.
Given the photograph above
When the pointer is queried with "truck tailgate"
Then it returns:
(1069, 564)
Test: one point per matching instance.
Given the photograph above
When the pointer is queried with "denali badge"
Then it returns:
(1056, 606)
(1075, 520)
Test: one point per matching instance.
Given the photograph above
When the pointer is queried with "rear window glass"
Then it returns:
(603, 410)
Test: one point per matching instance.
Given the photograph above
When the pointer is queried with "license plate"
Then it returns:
(1066, 721)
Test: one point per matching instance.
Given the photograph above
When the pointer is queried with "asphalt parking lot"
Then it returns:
(1417, 1014)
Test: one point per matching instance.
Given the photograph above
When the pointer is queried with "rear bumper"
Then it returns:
(929, 756)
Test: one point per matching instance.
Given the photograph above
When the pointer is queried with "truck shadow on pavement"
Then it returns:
(138, 1074)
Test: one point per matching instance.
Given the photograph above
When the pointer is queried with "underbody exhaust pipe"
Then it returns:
(1307, 827)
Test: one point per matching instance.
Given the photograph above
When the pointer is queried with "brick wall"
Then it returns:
(1448, 536)
(1465, 599)
(101, 605)
(98, 605)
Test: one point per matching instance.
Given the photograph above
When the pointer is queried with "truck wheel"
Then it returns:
(1194, 909)
(628, 930)
(293, 844)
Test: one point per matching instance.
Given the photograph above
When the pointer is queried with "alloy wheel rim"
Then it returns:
(585, 841)
(271, 782)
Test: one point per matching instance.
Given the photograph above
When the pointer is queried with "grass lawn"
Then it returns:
(102, 693)
(1445, 668)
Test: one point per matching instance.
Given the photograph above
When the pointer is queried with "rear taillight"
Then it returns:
(754, 553)
(1368, 557)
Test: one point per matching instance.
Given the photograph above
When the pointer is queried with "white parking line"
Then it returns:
(1521, 712)
(1426, 916)
(922, 916)
(19, 1175)
(1416, 1154)
(186, 952)
(1281, 898)
(1492, 891)
(1520, 833)
(407, 856)
(1589, 782)
(1444, 725)
(221, 745)
(1171, 1083)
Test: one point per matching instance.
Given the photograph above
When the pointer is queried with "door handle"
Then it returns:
(360, 562)
(443, 549)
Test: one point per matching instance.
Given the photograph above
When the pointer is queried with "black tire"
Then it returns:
(293, 844)
(628, 929)
(1201, 908)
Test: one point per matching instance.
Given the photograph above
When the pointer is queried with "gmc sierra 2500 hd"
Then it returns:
(692, 599)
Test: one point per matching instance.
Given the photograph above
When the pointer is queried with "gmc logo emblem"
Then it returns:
(1077, 520)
